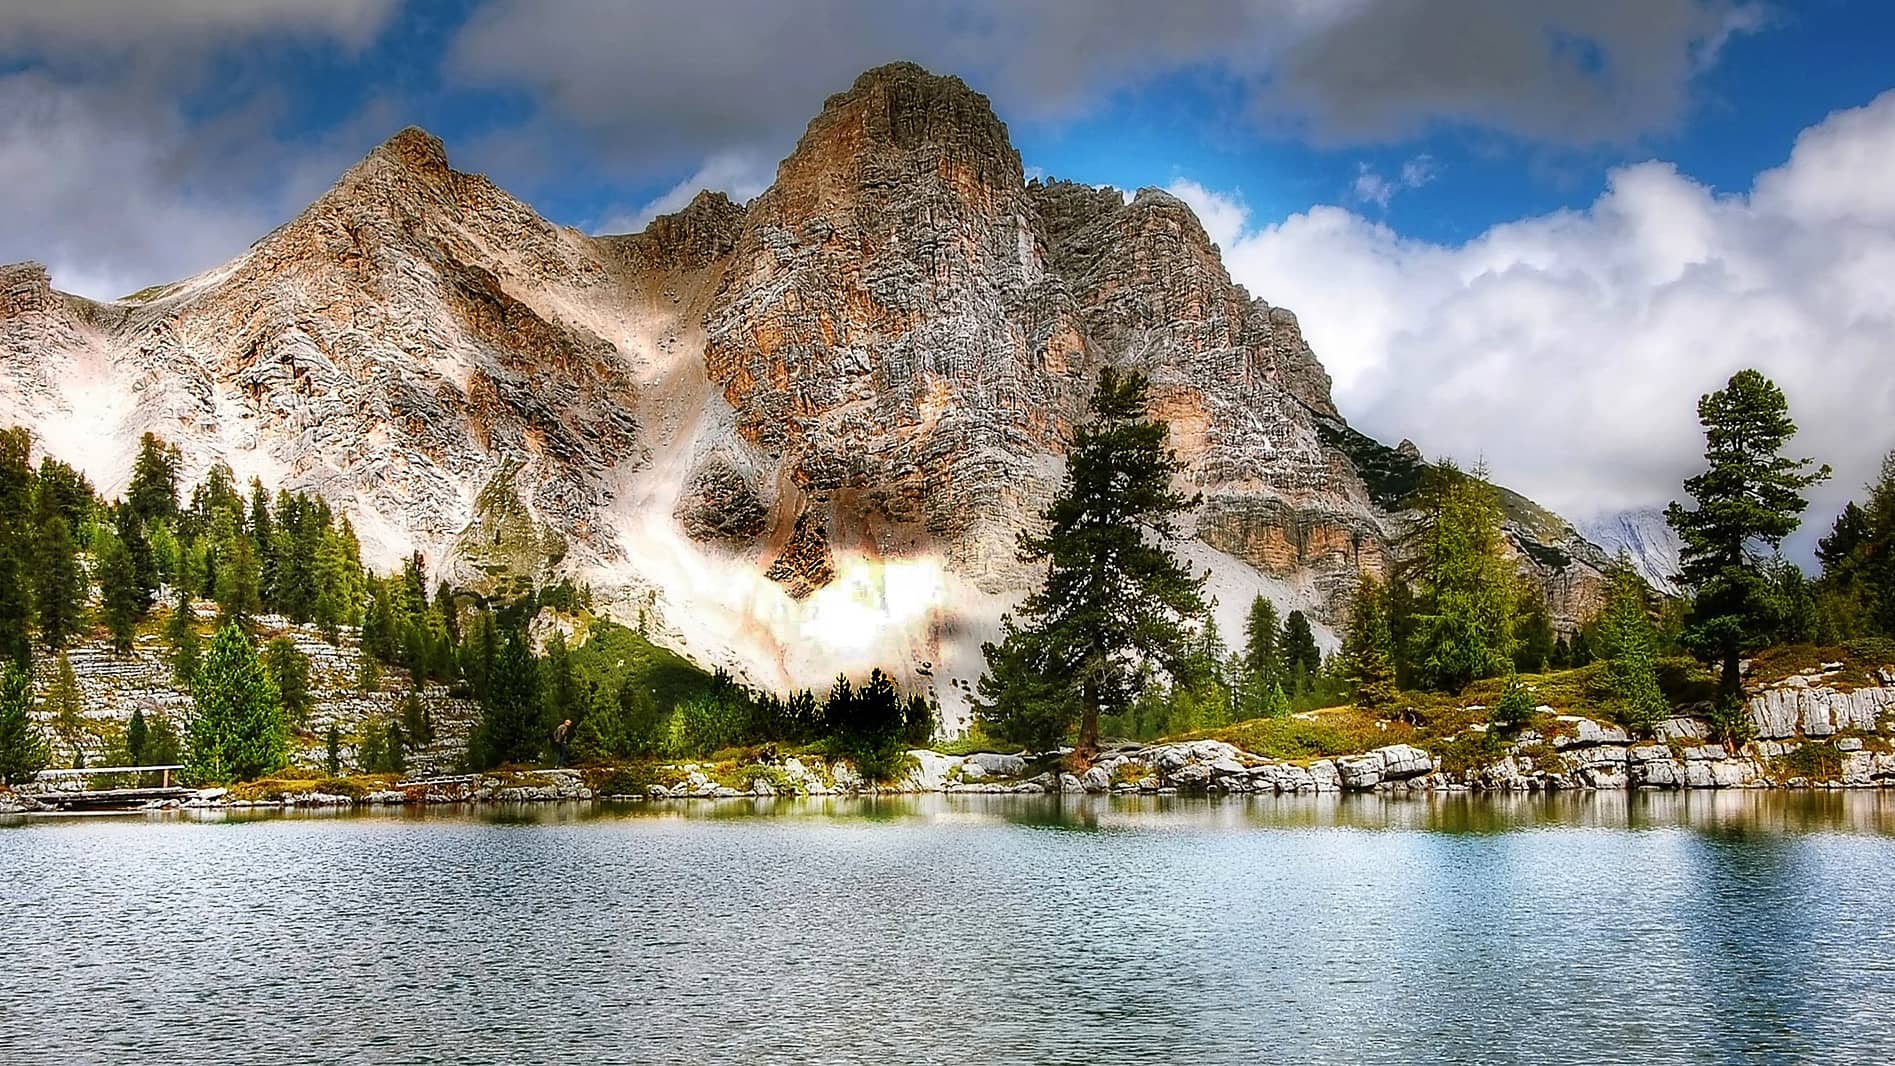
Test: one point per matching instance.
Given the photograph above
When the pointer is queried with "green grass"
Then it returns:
(612, 652)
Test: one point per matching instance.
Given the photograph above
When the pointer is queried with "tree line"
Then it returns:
(1119, 638)
(259, 553)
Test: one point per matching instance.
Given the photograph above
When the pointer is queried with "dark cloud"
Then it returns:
(673, 84)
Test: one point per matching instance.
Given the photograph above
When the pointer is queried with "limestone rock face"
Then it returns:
(794, 436)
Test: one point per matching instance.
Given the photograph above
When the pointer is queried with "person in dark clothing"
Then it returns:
(562, 743)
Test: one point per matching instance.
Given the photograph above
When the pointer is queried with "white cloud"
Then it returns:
(1371, 187)
(1569, 349)
(738, 174)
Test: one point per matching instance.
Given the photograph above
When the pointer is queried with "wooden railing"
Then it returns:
(100, 771)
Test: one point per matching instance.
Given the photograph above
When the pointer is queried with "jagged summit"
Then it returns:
(793, 437)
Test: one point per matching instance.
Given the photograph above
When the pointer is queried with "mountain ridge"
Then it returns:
(791, 436)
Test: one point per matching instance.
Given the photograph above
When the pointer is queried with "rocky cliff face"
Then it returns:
(794, 436)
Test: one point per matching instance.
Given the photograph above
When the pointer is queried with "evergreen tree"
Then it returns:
(1261, 666)
(1516, 706)
(918, 721)
(1114, 596)
(1368, 650)
(137, 737)
(1463, 625)
(238, 582)
(153, 493)
(23, 750)
(16, 527)
(185, 647)
(1016, 697)
(237, 731)
(144, 563)
(1533, 630)
(289, 671)
(416, 721)
(1302, 659)
(65, 709)
(332, 749)
(63, 492)
(509, 731)
(559, 690)
(61, 593)
(1749, 495)
(123, 600)
(1856, 594)
(1629, 644)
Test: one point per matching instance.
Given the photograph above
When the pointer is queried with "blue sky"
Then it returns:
(1521, 231)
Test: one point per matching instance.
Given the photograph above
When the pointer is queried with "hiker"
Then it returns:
(562, 743)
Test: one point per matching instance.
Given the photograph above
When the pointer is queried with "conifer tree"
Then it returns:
(289, 671)
(153, 493)
(65, 709)
(61, 592)
(509, 731)
(1533, 631)
(1367, 652)
(1115, 596)
(1749, 496)
(1262, 661)
(1463, 627)
(182, 634)
(23, 749)
(237, 729)
(137, 737)
(122, 599)
(16, 567)
(1629, 645)
(1302, 659)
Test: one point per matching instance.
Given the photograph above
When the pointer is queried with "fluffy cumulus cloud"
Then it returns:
(1568, 350)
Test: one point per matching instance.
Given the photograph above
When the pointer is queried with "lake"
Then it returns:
(1702, 927)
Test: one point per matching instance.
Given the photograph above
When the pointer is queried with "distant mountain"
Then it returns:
(793, 437)
(1643, 535)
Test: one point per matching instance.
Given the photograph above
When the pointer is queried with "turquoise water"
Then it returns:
(1678, 928)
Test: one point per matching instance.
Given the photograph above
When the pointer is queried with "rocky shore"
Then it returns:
(1815, 729)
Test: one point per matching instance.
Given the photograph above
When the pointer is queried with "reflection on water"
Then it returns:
(1596, 927)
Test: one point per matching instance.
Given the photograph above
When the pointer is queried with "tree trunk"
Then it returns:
(1089, 724)
(1730, 683)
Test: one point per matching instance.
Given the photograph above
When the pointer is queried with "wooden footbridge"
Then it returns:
(108, 799)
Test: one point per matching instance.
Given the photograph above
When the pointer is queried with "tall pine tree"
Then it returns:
(1115, 598)
(1749, 497)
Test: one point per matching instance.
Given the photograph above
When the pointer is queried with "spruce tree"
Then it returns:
(153, 493)
(1302, 659)
(1262, 661)
(16, 537)
(1115, 596)
(289, 670)
(61, 592)
(122, 599)
(137, 737)
(1463, 625)
(1629, 645)
(509, 731)
(1750, 496)
(65, 709)
(1533, 630)
(23, 749)
(1367, 651)
(185, 646)
(237, 729)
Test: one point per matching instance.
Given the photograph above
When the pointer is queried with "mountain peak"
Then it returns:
(415, 149)
(905, 108)
(24, 289)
